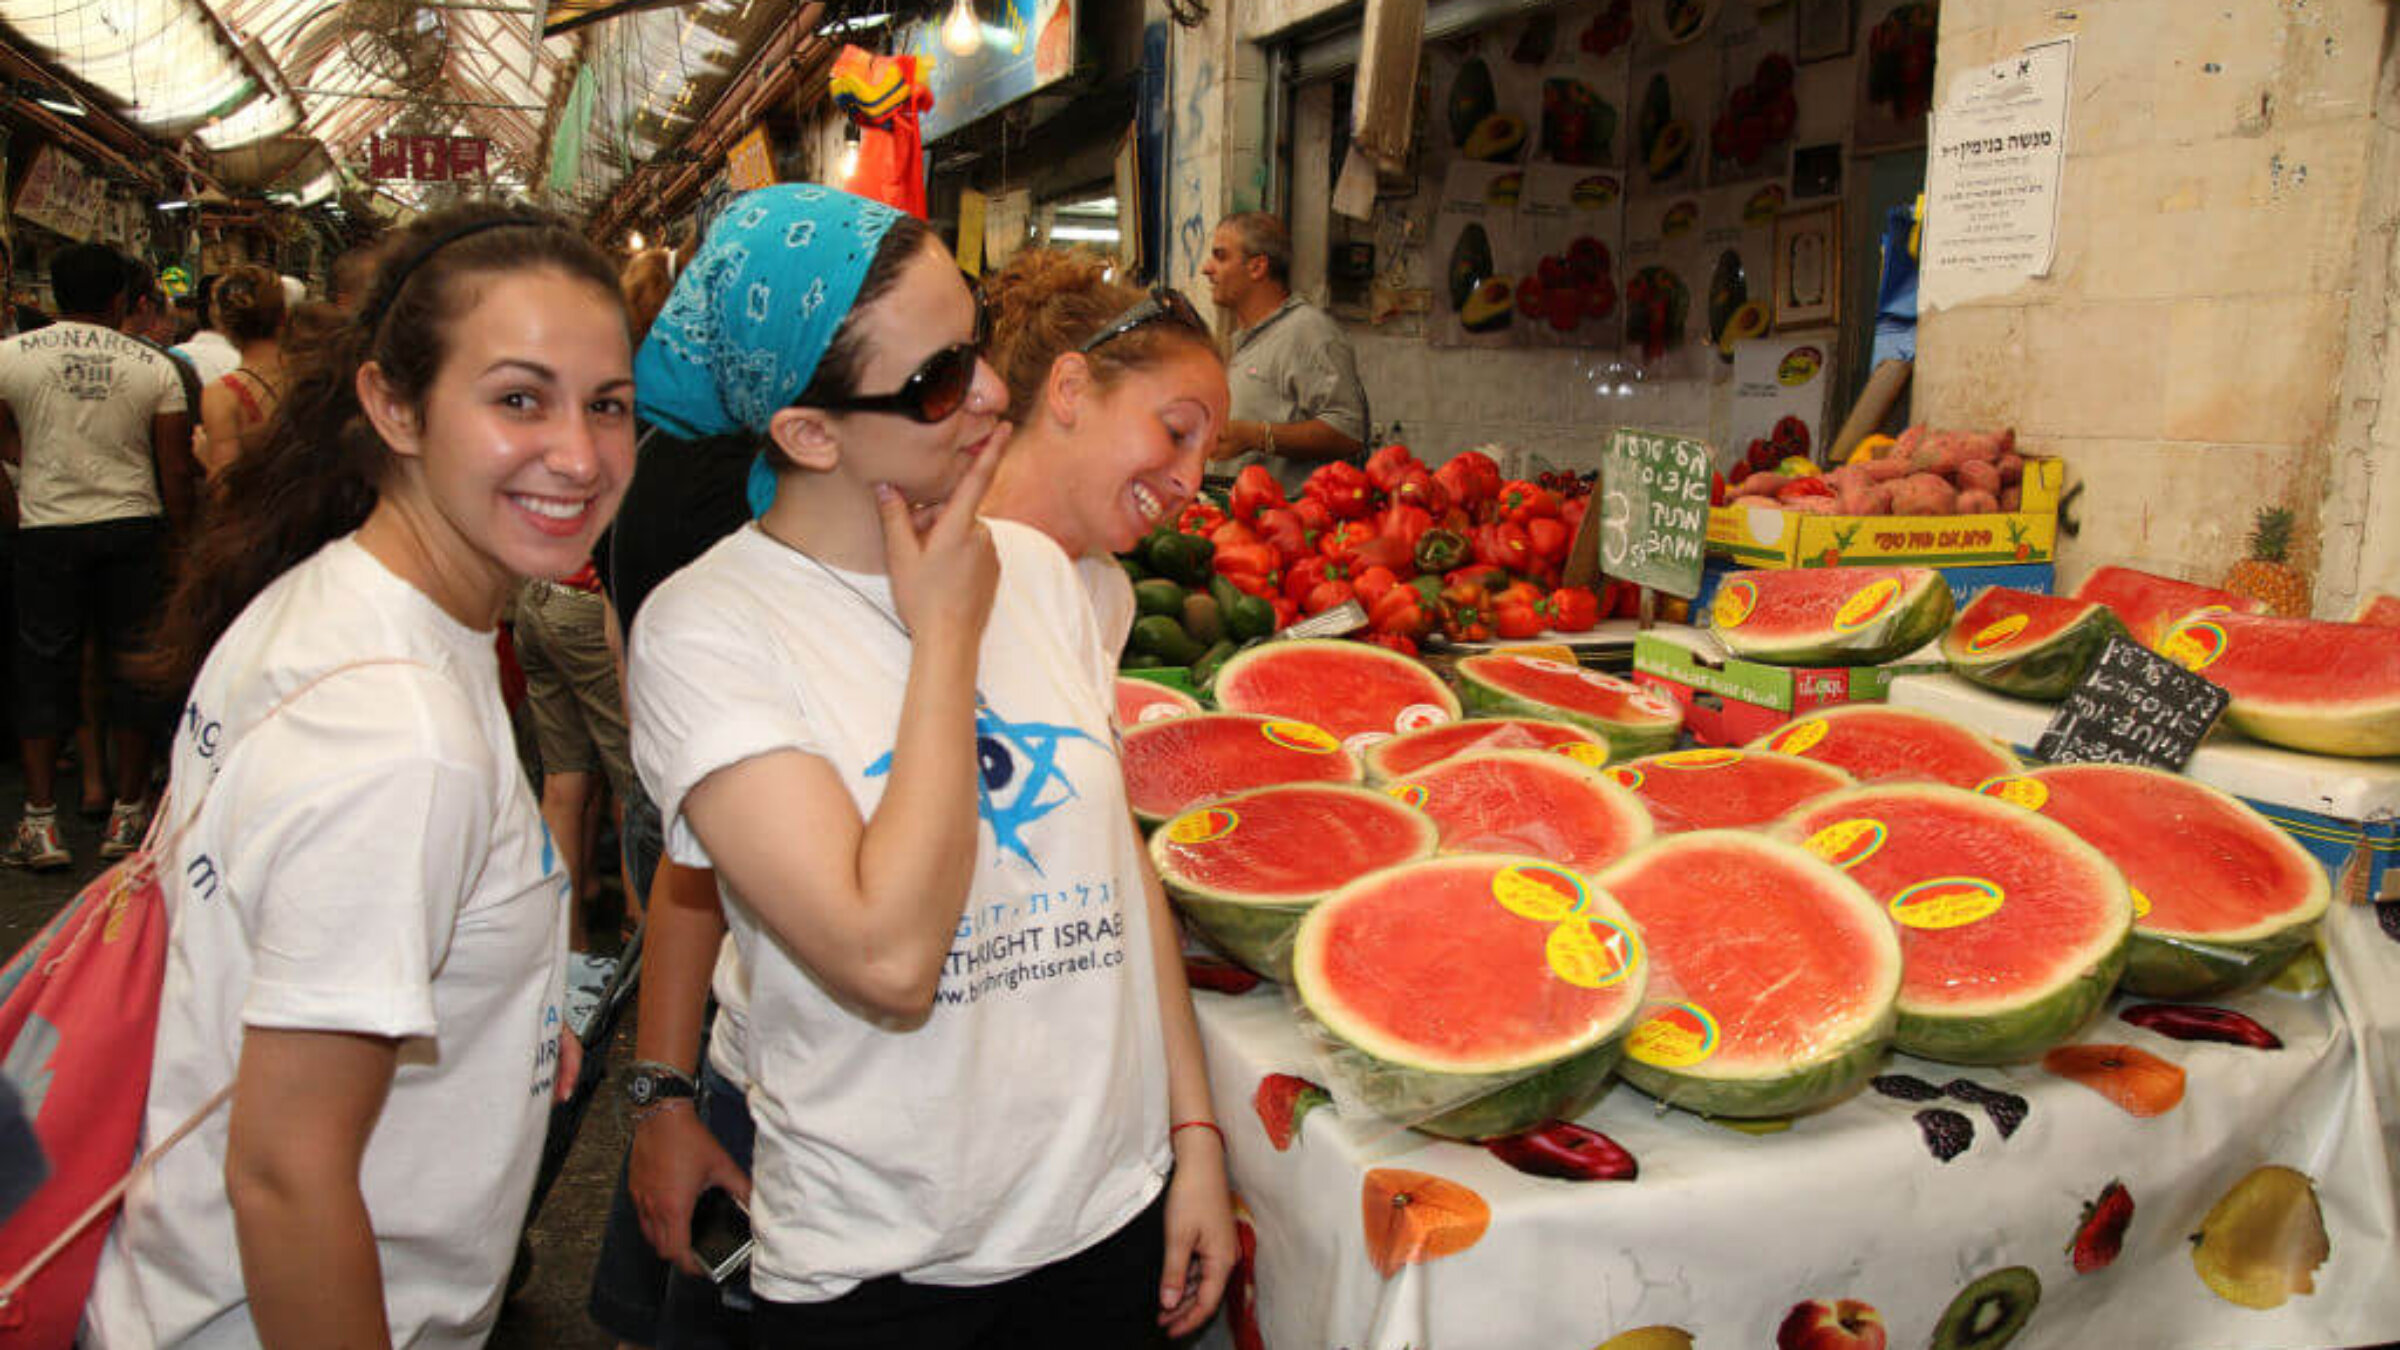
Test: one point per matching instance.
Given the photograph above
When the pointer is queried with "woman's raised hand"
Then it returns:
(944, 571)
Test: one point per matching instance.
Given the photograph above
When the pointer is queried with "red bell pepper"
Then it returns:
(1574, 608)
(1405, 523)
(1570, 513)
(1341, 539)
(1325, 595)
(1511, 547)
(1429, 592)
(1344, 488)
(1399, 610)
(1406, 646)
(1199, 518)
(1462, 479)
(1286, 613)
(1303, 576)
(1233, 534)
(1373, 584)
(1550, 538)
(1463, 618)
(1417, 488)
(1280, 528)
(1514, 619)
(1387, 466)
(1519, 591)
(1521, 502)
(1624, 600)
(1254, 490)
(1252, 568)
(1482, 576)
(1313, 516)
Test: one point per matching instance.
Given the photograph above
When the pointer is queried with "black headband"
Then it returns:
(445, 239)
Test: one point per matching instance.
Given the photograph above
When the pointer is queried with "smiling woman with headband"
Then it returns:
(863, 712)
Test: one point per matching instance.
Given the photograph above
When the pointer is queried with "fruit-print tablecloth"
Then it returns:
(1367, 1238)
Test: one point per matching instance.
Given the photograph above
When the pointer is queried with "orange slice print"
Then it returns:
(1415, 1217)
(2134, 1079)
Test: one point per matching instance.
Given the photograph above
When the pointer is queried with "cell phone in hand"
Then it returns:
(721, 1234)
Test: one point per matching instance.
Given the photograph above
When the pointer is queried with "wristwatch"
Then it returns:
(647, 1083)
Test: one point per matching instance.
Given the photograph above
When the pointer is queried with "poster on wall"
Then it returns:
(1476, 244)
(1571, 225)
(1666, 259)
(1585, 65)
(1673, 92)
(1737, 237)
(1028, 45)
(1895, 74)
(59, 195)
(1992, 185)
(1758, 102)
(1780, 388)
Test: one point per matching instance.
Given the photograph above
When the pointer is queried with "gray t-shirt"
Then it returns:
(1291, 366)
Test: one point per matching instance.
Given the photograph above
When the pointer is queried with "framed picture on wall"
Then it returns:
(1822, 29)
(1895, 74)
(1808, 267)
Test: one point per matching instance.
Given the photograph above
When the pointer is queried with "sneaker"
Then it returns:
(36, 845)
(127, 823)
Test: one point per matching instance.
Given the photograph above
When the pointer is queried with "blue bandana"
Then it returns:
(752, 315)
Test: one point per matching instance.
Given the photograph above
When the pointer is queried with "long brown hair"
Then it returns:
(321, 470)
(1049, 301)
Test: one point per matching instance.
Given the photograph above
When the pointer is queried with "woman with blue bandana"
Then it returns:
(885, 724)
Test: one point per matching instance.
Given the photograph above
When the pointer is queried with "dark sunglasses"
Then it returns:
(1164, 304)
(936, 389)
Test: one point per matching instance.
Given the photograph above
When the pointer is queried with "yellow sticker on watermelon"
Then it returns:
(2194, 646)
(1673, 1036)
(1847, 843)
(1626, 777)
(2141, 903)
(1866, 604)
(1410, 794)
(1799, 737)
(1539, 892)
(1735, 603)
(1584, 752)
(1993, 634)
(1591, 953)
(1203, 825)
(2031, 793)
(1301, 736)
(1698, 759)
(1946, 902)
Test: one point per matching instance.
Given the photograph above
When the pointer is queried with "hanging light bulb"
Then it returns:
(635, 241)
(846, 168)
(962, 32)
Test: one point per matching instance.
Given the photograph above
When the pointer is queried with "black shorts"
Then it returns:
(106, 578)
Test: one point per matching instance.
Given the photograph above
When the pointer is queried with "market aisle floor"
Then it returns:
(548, 1313)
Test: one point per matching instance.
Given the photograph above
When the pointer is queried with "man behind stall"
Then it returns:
(1297, 401)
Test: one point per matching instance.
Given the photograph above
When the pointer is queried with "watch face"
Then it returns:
(642, 1088)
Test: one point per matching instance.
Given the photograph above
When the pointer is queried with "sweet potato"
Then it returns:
(1887, 468)
(1871, 499)
(2012, 497)
(1812, 506)
(2012, 469)
(1977, 502)
(1907, 444)
(1760, 485)
(1977, 475)
(1923, 494)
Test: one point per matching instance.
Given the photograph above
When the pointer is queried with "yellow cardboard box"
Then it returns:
(1768, 536)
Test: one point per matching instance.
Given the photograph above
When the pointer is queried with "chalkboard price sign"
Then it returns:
(2132, 707)
(1654, 510)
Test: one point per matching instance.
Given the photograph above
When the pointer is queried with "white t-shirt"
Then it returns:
(1026, 1118)
(369, 860)
(212, 354)
(84, 398)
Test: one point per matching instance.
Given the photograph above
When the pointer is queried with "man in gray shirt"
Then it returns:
(1297, 402)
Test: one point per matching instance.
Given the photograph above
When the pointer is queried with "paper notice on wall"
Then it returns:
(1991, 187)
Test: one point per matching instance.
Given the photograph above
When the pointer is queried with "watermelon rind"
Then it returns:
(1255, 929)
(1764, 632)
(1849, 1052)
(1379, 757)
(2353, 707)
(1331, 765)
(1156, 701)
(1483, 687)
(1971, 757)
(1454, 1101)
(2042, 670)
(1433, 699)
(2007, 1028)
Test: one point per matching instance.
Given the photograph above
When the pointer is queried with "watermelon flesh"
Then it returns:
(2026, 645)
(2148, 604)
(1462, 1015)
(1633, 720)
(1830, 616)
(1724, 789)
(1873, 743)
(2304, 684)
(1177, 764)
(2012, 930)
(1244, 868)
(2222, 898)
(1140, 701)
(1530, 802)
(1408, 752)
(1774, 980)
(1358, 692)
(2383, 611)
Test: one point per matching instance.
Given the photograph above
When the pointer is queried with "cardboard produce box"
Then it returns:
(1965, 582)
(1769, 536)
(1729, 701)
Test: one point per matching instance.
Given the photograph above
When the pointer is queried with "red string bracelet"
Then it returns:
(1208, 1125)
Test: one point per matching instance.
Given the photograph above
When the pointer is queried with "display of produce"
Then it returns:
(1532, 802)
(1412, 751)
(1173, 765)
(1633, 720)
(1793, 1016)
(1244, 868)
(2222, 899)
(2026, 645)
(1351, 689)
(2267, 575)
(2013, 930)
(1833, 616)
(2148, 605)
(2304, 684)
(1141, 701)
(1525, 1031)
(1711, 789)
(1923, 473)
(1875, 743)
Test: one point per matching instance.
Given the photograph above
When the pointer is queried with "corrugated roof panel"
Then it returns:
(164, 62)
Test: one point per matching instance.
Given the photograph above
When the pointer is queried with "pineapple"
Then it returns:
(2265, 576)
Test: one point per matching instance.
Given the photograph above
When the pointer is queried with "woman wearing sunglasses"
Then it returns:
(884, 723)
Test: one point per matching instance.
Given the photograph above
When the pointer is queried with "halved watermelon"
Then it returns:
(1244, 868)
(2305, 684)
(1774, 980)
(2378, 609)
(2027, 645)
(1874, 742)
(1410, 751)
(2012, 930)
(1632, 719)
(1530, 802)
(1831, 616)
(1477, 995)
(2148, 604)
(1140, 701)
(2221, 898)
(1177, 764)
(1360, 693)
(1724, 789)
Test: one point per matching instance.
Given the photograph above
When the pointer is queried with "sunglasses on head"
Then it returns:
(936, 389)
(1163, 304)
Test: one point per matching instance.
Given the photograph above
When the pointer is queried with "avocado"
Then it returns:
(1489, 308)
(1472, 99)
(1658, 109)
(1470, 263)
(1748, 321)
(1728, 289)
(1497, 137)
(1162, 637)
(1201, 617)
(1183, 558)
(1246, 616)
(1204, 669)
(1670, 150)
(1158, 596)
